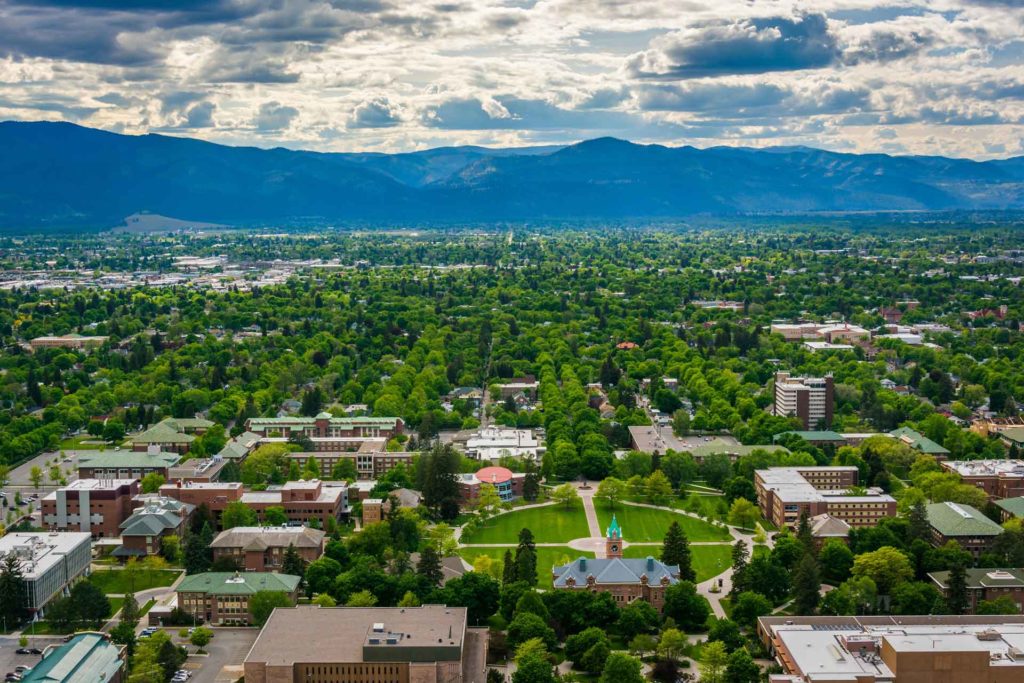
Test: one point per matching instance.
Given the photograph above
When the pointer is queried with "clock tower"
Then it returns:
(613, 544)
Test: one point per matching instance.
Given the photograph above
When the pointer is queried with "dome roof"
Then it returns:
(494, 475)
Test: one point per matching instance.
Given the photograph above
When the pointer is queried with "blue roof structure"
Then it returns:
(614, 571)
(86, 658)
(614, 531)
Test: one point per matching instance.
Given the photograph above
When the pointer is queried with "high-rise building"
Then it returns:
(812, 399)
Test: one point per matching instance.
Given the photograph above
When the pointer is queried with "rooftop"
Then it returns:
(40, 551)
(1015, 506)
(238, 583)
(86, 658)
(92, 485)
(816, 435)
(957, 519)
(985, 578)
(986, 468)
(263, 537)
(340, 634)
(128, 460)
(162, 432)
(614, 571)
(918, 441)
(334, 421)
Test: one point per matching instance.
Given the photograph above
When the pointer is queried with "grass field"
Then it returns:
(120, 581)
(647, 524)
(707, 560)
(546, 558)
(550, 524)
(85, 442)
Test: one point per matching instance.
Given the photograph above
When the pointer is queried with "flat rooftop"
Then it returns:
(789, 484)
(91, 485)
(41, 551)
(309, 634)
(827, 648)
(986, 468)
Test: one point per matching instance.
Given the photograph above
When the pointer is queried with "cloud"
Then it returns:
(200, 115)
(754, 100)
(375, 113)
(750, 46)
(274, 116)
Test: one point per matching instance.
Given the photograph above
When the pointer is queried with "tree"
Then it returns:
(170, 549)
(726, 631)
(363, 598)
(836, 560)
(672, 644)
(748, 606)
(532, 664)
(12, 590)
(36, 476)
(658, 487)
(123, 634)
(641, 644)
(919, 526)
(887, 567)
(90, 604)
(292, 563)
(713, 660)
(344, 470)
(262, 603)
(675, 551)
(530, 601)
(526, 558)
(531, 482)
(409, 599)
(437, 478)
(152, 482)
(325, 600)
(611, 490)
(237, 513)
(637, 617)
(321, 574)
(621, 668)
(478, 593)
(689, 609)
(1004, 604)
(488, 502)
(741, 668)
(743, 514)
(429, 567)
(201, 637)
(957, 599)
(275, 516)
(806, 585)
(130, 610)
(528, 625)
(565, 494)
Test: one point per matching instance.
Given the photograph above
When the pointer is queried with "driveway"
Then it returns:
(226, 651)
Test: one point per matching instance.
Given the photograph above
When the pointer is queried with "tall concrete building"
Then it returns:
(50, 562)
(812, 399)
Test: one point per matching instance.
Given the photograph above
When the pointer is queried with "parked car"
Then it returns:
(23, 651)
(35, 651)
(12, 677)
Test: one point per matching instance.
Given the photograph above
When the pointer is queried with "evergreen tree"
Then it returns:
(429, 567)
(531, 483)
(526, 565)
(803, 533)
(130, 610)
(197, 550)
(739, 566)
(676, 551)
(956, 594)
(12, 591)
(806, 585)
(291, 563)
(508, 569)
(438, 481)
(919, 528)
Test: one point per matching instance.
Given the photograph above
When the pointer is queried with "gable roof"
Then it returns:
(918, 441)
(261, 538)
(128, 460)
(1015, 506)
(238, 583)
(162, 432)
(86, 658)
(957, 519)
(614, 571)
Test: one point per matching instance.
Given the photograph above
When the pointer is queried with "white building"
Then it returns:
(809, 398)
(50, 562)
(494, 443)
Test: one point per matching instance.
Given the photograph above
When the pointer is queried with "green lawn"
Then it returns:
(707, 560)
(121, 581)
(546, 558)
(115, 605)
(550, 524)
(85, 442)
(647, 524)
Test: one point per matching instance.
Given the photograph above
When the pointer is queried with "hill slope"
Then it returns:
(57, 174)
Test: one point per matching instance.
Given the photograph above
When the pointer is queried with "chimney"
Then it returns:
(583, 564)
(650, 563)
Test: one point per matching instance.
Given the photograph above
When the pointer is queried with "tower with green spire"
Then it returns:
(613, 543)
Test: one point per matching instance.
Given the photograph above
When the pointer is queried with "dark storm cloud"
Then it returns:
(751, 46)
(200, 116)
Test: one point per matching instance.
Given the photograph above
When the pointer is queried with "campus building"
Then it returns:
(174, 434)
(986, 584)
(509, 484)
(626, 579)
(214, 495)
(997, 478)
(262, 548)
(50, 562)
(144, 532)
(812, 399)
(85, 658)
(428, 644)
(372, 460)
(126, 464)
(785, 493)
(77, 342)
(895, 649)
(222, 598)
(97, 506)
(326, 432)
(494, 443)
(964, 524)
(302, 501)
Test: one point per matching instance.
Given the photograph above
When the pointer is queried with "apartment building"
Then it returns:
(964, 524)
(222, 598)
(97, 506)
(428, 644)
(997, 478)
(895, 649)
(326, 432)
(986, 584)
(50, 562)
(262, 548)
(785, 493)
(811, 399)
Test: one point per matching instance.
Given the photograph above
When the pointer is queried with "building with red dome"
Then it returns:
(508, 483)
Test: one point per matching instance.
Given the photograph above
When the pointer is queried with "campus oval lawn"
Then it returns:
(647, 524)
(546, 558)
(549, 524)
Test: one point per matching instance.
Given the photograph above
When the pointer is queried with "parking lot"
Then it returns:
(228, 648)
(10, 659)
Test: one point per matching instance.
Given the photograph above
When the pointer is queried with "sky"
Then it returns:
(892, 76)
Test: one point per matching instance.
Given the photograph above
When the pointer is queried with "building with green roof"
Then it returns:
(86, 658)
(733, 450)
(919, 442)
(165, 436)
(821, 437)
(964, 524)
(126, 464)
(1011, 507)
(986, 584)
(222, 598)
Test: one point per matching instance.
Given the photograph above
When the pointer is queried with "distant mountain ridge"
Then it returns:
(63, 175)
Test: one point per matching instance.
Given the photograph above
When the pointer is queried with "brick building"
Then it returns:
(997, 478)
(262, 548)
(97, 506)
(173, 434)
(784, 493)
(214, 495)
(627, 580)
(986, 584)
(964, 524)
(302, 501)
(812, 399)
(222, 598)
(371, 460)
(157, 518)
(509, 484)
(126, 464)
(326, 432)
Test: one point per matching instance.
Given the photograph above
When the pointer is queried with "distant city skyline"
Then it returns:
(938, 77)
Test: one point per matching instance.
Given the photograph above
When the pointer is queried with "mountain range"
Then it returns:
(63, 175)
